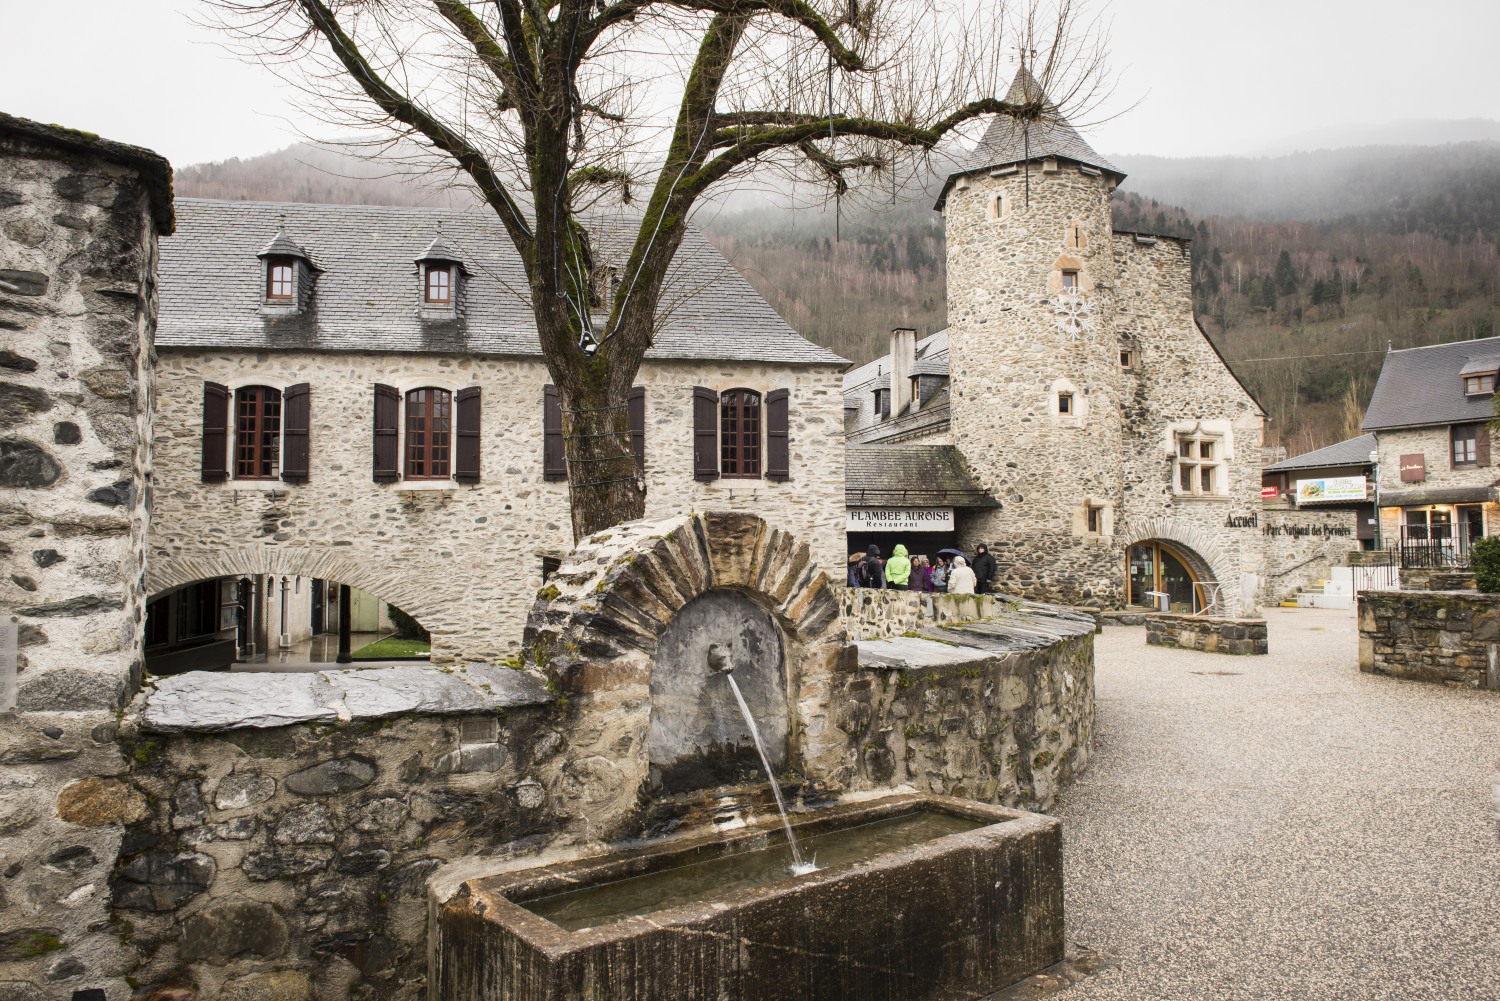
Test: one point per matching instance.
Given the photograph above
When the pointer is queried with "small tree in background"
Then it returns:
(1484, 559)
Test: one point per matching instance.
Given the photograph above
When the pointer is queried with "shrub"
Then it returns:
(407, 627)
(1484, 557)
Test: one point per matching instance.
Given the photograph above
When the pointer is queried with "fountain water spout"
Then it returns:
(719, 662)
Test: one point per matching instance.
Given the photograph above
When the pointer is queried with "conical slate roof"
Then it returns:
(282, 245)
(439, 250)
(1008, 141)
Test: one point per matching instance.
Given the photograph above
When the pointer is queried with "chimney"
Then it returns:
(903, 359)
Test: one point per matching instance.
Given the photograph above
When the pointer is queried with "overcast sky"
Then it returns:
(1205, 76)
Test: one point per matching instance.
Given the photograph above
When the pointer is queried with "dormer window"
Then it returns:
(440, 272)
(281, 283)
(439, 286)
(1479, 385)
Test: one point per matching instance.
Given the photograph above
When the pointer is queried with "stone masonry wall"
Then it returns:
(1009, 360)
(1211, 635)
(869, 613)
(465, 561)
(1178, 382)
(1304, 545)
(78, 238)
(1448, 637)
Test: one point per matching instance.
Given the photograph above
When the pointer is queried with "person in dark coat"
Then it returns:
(871, 569)
(984, 570)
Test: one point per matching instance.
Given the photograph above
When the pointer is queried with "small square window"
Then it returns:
(280, 278)
(1070, 281)
(1096, 520)
(1064, 403)
(1478, 385)
(1185, 448)
(1205, 450)
(1127, 358)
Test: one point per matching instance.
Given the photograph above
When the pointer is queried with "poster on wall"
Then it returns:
(900, 519)
(1334, 488)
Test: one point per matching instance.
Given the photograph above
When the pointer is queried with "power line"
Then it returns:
(1321, 354)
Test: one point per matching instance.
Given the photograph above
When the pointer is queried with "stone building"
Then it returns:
(1119, 455)
(79, 218)
(355, 394)
(1430, 415)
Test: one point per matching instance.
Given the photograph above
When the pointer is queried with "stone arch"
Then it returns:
(408, 592)
(596, 627)
(1204, 554)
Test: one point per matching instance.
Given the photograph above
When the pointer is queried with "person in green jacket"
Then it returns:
(897, 569)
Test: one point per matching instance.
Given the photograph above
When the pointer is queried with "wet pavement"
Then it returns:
(317, 653)
(1283, 826)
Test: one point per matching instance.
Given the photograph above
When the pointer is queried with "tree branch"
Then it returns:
(796, 11)
(403, 109)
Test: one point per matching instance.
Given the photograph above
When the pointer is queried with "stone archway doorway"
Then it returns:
(1154, 567)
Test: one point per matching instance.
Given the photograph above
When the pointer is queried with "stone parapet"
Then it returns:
(1211, 635)
(1437, 579)
(1448, 637)
(870, 614)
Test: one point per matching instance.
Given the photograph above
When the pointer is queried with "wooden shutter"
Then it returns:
(387, 417)
(466, 445)
(1482, 445)
(215, 433)
(636, 406)
(778, 452)
(554, 457)
(296, 419)
(705, 434)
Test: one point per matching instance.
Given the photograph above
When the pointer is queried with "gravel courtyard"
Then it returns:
(1293, 829)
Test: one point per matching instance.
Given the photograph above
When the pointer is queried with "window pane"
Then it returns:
(437, 285)
(1185, 478)
(429, 433)
(1206, 478)
(280, 286)
(1185, 448)
(1205, 450)
(257, 432)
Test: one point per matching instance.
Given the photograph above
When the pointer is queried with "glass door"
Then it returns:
(1155, 568)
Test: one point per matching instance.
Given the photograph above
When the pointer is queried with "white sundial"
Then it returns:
(1074, 315)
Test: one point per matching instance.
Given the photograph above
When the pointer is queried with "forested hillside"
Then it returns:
(1306, 266)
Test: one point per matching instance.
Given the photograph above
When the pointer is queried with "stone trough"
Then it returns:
(959, 916)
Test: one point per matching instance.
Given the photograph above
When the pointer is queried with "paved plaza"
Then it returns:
(1284, 826)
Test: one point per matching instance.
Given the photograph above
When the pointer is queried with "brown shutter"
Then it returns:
(215, 433)
(466, 448)
(387, 417)
(705, 434)
(778, 453)
(554, 458)
(636, 406)
(296, 419)
(1482, 445)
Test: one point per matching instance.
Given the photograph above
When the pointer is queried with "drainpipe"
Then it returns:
(345, 614)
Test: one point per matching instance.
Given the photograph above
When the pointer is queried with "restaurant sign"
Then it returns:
(1334, 488)
(900, 519)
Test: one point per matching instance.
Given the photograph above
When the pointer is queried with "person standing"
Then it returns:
(962, 580)
(871, 571)
(938, 581)
(921, 574)
(898, 569)
(984, 570)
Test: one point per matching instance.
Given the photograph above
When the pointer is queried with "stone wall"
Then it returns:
(1304, 545)
(1437, 579)
(79, 218)
(1449, 637)
(869, 613)
(1211, 635)
(465, 561)
(291, 861)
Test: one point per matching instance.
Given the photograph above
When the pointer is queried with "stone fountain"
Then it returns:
(697, 655)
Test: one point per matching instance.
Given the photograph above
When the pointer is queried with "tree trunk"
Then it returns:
(605, 486)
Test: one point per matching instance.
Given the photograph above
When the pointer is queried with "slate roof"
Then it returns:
(910, 476)
(154, 170)
(282, 245)
(366, 297)
(863, 425)
(1422, 386)
(1008, 141)
(1352, 452)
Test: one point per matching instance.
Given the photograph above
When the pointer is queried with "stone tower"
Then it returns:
(1035, 360)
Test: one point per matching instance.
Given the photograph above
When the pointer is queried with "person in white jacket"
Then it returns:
(961, 580)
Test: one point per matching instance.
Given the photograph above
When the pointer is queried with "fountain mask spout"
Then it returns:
(718, 660)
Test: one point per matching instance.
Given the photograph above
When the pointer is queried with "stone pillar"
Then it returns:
(79, 220)
(346, 612)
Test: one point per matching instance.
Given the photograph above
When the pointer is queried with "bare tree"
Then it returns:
(557, 109)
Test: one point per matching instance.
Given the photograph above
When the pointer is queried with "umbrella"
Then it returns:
(950, 552)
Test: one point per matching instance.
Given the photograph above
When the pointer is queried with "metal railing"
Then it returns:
(1433, 548)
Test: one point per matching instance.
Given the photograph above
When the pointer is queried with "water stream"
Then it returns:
(798, 866)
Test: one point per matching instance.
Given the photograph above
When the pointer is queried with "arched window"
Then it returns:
(429, 434)
(739, 433)
(257, 433)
